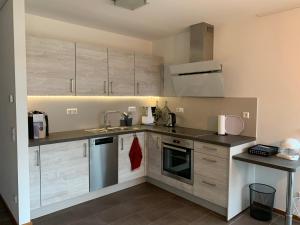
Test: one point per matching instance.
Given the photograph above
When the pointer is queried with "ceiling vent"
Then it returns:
(130, 4)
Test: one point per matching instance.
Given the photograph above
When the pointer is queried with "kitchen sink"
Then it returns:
(104, 130)
(97, 130)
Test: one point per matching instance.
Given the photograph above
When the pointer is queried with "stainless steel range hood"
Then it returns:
(202, 77)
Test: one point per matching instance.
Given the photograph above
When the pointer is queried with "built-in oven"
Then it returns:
(178, 159)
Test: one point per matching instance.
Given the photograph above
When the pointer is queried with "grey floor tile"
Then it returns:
(209, 219)
(246, 219)
(144, 205)
(281, 221)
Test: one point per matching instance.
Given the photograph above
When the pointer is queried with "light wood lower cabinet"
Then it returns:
(211, 166)
(50, 66)
(154, 151)
(211, 190)
(125, 172)
(35, 177)
(211, 169)
(64, 171)
(91, 70)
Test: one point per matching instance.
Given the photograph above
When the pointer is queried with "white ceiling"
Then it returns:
(159, 18)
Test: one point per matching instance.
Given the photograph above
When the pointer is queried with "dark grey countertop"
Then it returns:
(181, 132)
(271, 161)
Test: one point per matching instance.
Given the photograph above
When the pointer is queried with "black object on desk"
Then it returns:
(263, 150)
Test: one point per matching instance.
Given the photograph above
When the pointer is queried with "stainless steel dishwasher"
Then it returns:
(103, 162)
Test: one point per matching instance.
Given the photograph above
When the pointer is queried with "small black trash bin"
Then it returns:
(261, 201)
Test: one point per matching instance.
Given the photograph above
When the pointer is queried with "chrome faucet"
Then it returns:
(106, 113)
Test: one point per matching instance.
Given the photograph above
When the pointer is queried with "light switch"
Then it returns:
(11, 98)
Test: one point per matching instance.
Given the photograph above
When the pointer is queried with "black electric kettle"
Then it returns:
(171, 120)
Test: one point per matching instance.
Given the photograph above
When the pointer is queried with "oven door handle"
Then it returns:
(174, 148)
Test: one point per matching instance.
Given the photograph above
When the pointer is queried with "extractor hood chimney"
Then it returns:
(201, 77)
(201, 42)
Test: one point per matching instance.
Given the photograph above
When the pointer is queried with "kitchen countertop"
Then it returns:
(270, 161)
(181, 132)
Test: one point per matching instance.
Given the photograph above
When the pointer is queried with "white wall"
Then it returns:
(50, 28)
(14, 171)
(261, 59)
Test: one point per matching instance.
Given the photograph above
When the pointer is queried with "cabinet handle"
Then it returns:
(111, 87)
(209, 160)
(208, 183)
(104, 87)
(122, 144)
(38, 158)
(85, 151)
(72, 85)
(138, 88)
(210, 149)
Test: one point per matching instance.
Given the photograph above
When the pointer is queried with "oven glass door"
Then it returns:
(177, 161)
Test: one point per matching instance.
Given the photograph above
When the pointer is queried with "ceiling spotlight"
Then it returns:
(130, 4)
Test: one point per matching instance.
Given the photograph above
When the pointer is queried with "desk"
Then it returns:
(281, 164)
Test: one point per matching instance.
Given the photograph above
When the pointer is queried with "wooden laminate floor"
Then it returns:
(144, 204)
(4, 216)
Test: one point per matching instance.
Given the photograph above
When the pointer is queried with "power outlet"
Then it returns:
(132, 109)
(246, 115)
(180, 110)
(72, 111)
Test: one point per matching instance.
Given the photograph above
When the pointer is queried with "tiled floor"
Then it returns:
(140, 205)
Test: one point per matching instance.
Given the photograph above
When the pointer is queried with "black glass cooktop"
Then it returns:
(188, 131)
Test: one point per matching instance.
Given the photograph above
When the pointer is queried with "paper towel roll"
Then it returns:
(221, 125)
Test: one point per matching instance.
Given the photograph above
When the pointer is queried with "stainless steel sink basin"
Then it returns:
(97, 130)
(104, 130)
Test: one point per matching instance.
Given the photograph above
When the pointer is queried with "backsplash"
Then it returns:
(202, 112)
(198, 113)
(90, 110)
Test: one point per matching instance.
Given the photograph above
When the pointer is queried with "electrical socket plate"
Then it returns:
(72, 111)
(180, 110)
(131, 109)
(246, 115)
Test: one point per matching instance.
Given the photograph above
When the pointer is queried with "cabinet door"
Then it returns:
(125, 172)
(148, 79)
(121, 73)
(35, 175)
(154, 164)
(50, 67)
(64, 171)
(91, 70)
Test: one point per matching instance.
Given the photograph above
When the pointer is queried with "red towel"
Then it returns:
(135, 154)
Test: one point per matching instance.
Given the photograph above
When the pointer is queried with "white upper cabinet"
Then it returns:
(91, 70)
(121, 72)
(50, 67)
(148, 75)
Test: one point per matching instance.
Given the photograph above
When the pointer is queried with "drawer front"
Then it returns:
(211, 190)
(210, 149)
(211, 166)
